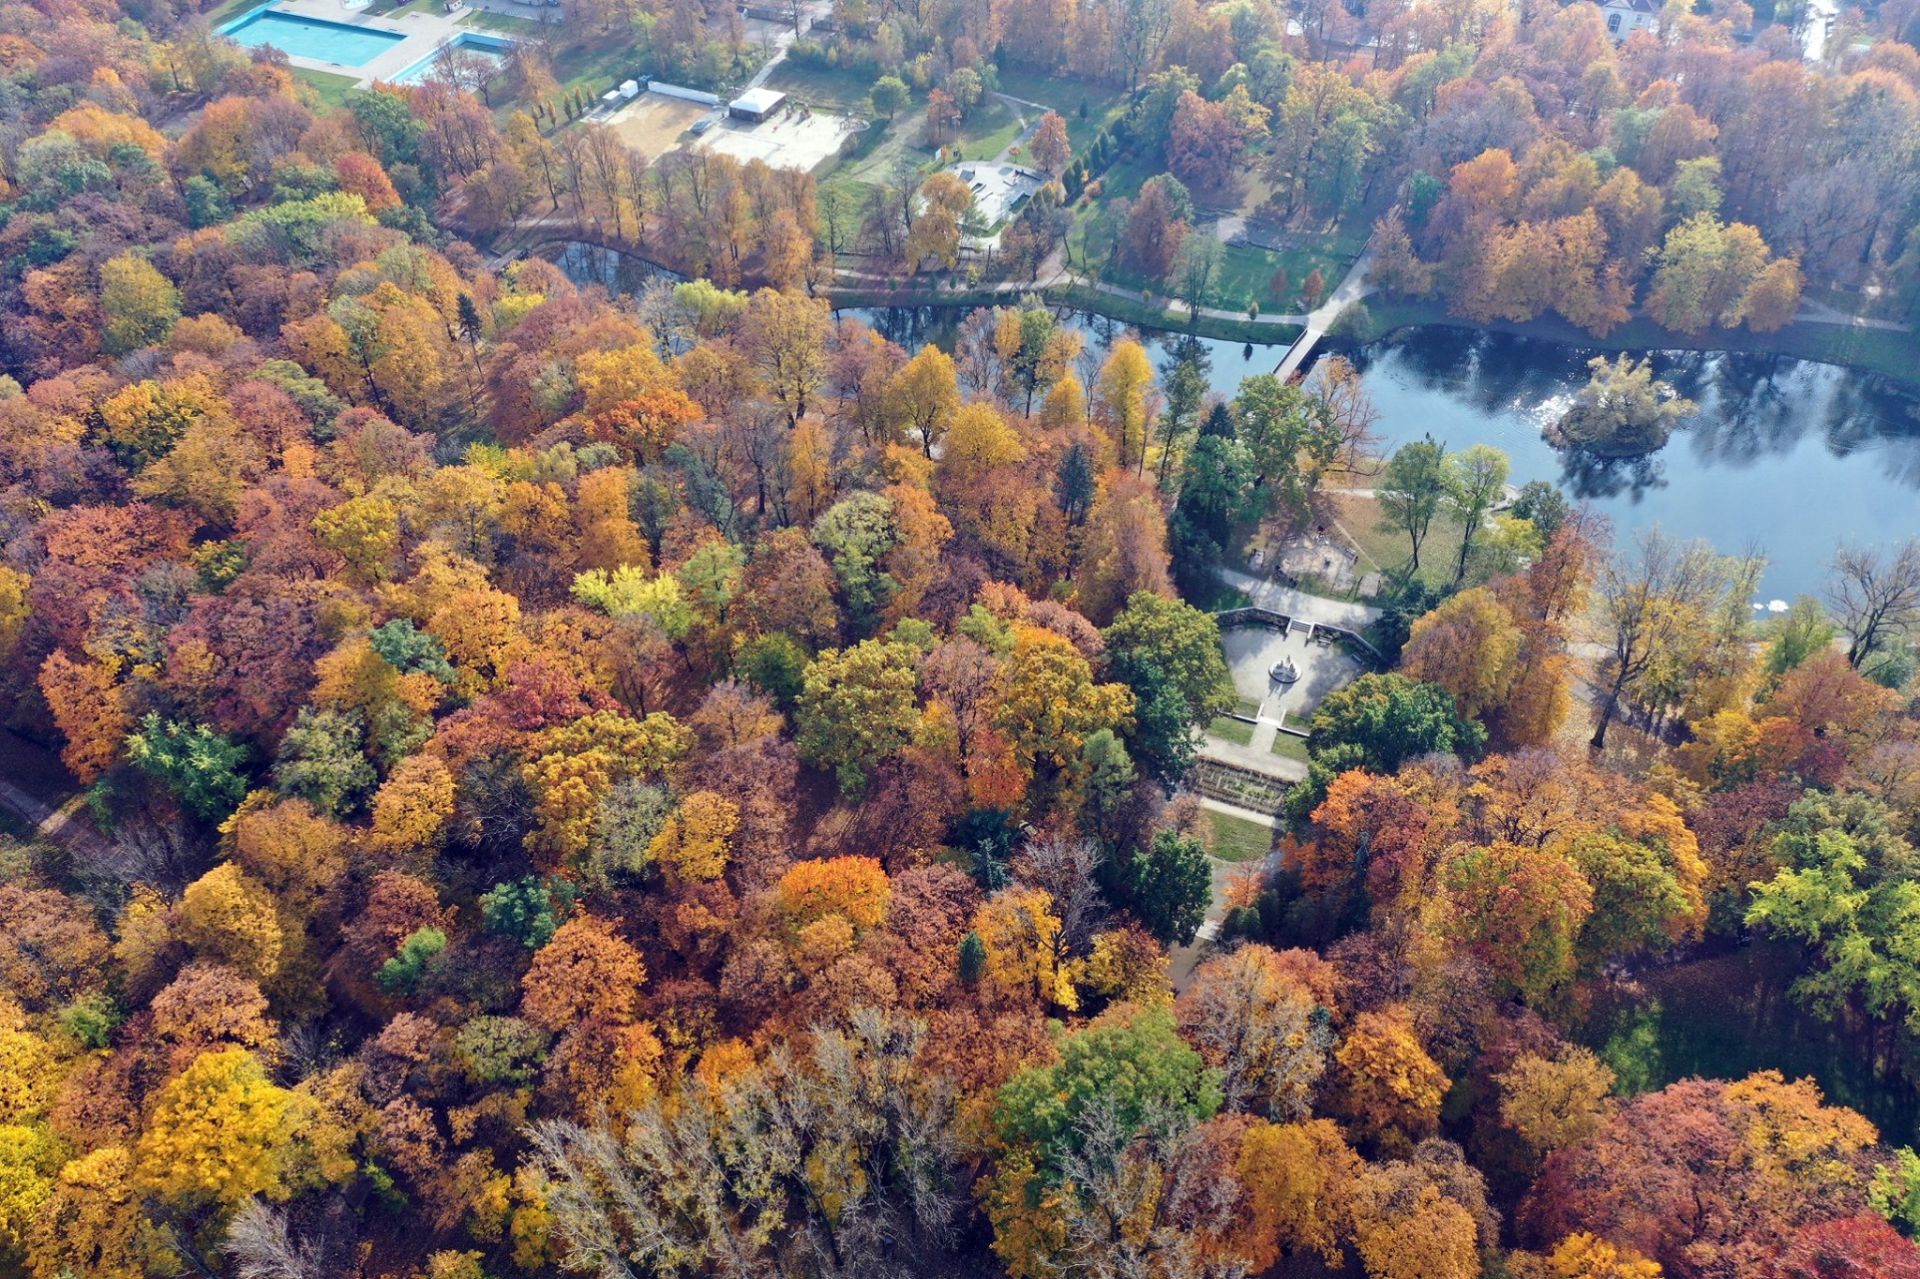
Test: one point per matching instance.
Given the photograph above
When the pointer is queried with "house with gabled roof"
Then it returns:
(1624, 17)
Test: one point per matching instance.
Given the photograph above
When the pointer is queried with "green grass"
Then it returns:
(596, 65)
(987, 132)
(1236, 839)
(826, 87)
(1067, 95)
(503, 22)
(1246, 271)
(1389, 549)
(1287, 746)
(333, 90)
(1231, 730)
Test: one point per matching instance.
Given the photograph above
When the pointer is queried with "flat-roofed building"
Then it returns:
(756, 104)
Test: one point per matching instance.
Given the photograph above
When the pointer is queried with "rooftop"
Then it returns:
(757, 100)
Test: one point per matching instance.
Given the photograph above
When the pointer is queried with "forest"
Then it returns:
(551, 781)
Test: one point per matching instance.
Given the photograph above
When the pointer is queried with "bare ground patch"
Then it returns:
(653, 123)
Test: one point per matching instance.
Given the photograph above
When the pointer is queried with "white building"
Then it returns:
(1624, 17)
(755, 104)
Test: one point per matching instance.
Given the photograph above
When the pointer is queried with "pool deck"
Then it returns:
(422, 33)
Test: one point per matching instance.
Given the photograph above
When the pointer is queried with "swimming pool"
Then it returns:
(492, 48)
(315, 38)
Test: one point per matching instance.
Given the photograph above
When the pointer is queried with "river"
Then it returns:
(1786, 457)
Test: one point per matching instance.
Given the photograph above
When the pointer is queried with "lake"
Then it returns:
(1786, 457)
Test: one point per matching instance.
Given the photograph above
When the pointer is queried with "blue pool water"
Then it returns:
(315, 38)
(492, 48)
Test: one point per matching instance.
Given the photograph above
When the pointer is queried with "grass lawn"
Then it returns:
(1288, 746)
(596, 65)
(1103, 102)
(334, 90)
(1387, 549)
(1231, 730)
(1235, 839)
(505, 23)
(986, 133)
(829, 88)
(1246, 270)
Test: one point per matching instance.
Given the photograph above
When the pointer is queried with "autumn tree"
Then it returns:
(1023, 947)
(857, 706)
(1744, 1195)
(944, 204)
(1262, 1018)
(141, 305)
(1389, 1083)
(1050, 147)
(228, 915)
(1554, 1102)
(1157, 223)
(1467, 646)
(924, 396)
(1412, 490)
(221, 1132)
(786, 336)
(1425, 1216)
(1652, 606)
(586, 970)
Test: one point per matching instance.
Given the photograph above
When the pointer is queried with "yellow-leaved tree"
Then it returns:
(221, 1133)
(93, 1223)
(230, 916)
(412, 808)
(694, 840)
(1026, 955)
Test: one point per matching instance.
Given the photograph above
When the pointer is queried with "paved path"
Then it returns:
(1184, 959)
(1313, 608)
(25, 764)
(1261, 760)
(1821, 313)
(1350, 290)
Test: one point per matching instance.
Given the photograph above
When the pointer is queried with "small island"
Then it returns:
(1622, 411)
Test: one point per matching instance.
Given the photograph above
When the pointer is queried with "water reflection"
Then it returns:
(1786, 455)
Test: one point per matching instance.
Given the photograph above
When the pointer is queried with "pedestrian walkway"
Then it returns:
(1276, 598)
(1350, 290)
